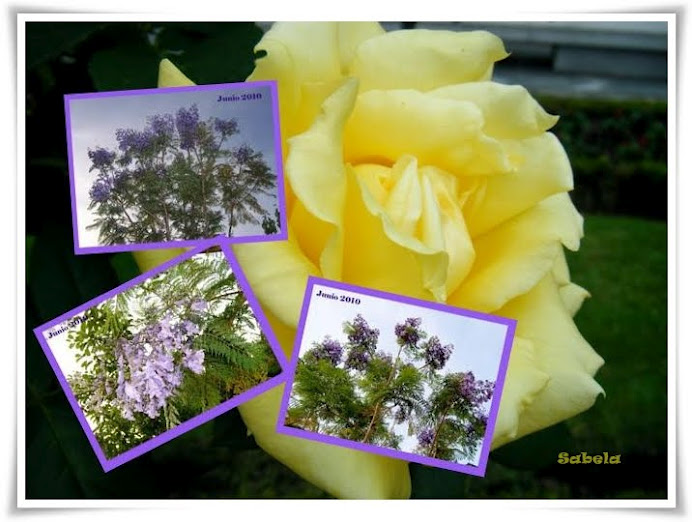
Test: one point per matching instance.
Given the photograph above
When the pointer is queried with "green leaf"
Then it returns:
(125, 266)
(45, 40)
(429, 482)
(132, 65)
(211, 53)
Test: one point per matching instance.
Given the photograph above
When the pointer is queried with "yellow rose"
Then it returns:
(409, 171)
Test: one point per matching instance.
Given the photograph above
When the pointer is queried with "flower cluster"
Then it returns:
(436, 355)
(361, 334)
(134, 142)
(329, 349)
(187, 122)
(100, 158)
(362, 343)
(151, 364)
(408, 333)
(475, 391)
(426, 437)
(100, 191)
(242, 154)
(162, 125)
(226, 127)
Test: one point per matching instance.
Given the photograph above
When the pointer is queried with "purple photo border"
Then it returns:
(158, 440)
(388, 452)
(278, 158)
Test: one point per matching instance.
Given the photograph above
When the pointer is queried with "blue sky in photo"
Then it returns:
(95, 120)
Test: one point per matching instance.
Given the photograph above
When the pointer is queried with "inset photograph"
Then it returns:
(156, 167)
(162, 354)
(397, 376)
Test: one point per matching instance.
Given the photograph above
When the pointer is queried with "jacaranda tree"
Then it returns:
(177, 179)
(165, 351)
(354, 389)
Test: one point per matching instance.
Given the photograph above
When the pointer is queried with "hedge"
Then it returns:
(618, 151)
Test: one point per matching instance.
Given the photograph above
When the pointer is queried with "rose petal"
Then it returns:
(560, 352)
(170, 75)
(386, 125)
(513, 257)
(523, 382)
(541, 169)
(386, 259)
(423, 59)
(305, 59)
(315, 170)
(351, 35)
(509, 111)
(573, 297)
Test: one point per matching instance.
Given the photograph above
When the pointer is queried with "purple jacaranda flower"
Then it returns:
(199, 305)
(357, 358)
(408, 333)
(226, 127)
(426, 437)
(134, 142)
(187, 123)
(190, 327)
(195, 362)
(436, 355)
(329, 349)
(161, 125)
(148, 374)
(242, 154)
(100, 158)
(100, 191)
(361, 334)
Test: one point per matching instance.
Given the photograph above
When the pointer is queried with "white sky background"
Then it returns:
(66, 357)
(477, 344)
(95, 120)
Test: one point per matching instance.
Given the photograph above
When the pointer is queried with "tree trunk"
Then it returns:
(368, 432)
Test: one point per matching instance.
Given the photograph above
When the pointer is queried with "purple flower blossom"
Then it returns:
(194, 361)
(148, 374)
(474, 391)
(436, 355)
(242, 154)
(329, 349)
(100, 158)
(134, 142)
(187, 123)
(199, 305)
(226, 127)
(361, 334)
(426, 437)
(161, 125)
(357, 358)
(100, 191)
(408, 333)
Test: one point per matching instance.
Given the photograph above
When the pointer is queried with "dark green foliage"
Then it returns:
(618, 152)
